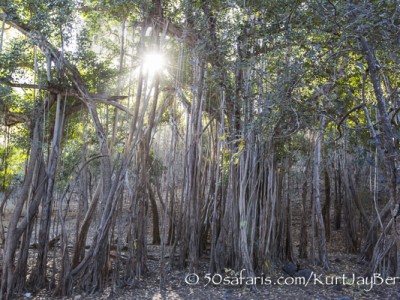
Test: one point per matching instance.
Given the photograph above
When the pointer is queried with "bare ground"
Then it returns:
(176, 287)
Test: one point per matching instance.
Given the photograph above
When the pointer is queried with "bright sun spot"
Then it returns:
(153, 63)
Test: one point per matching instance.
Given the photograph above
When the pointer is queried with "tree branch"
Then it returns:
(345, 117)
(99, 98)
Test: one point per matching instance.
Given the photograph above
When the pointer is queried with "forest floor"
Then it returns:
(321, 286)
(341, 264)
(324, 284)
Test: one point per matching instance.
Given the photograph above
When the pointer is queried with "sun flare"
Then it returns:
(153, 62)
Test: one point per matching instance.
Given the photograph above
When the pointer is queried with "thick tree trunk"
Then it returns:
(245, 254)
(322, 250)
(390, 142)
(80, 243)
(33, 181)
(40, 273)
(326, 210)
(156, 219)
(304, 217)
(338, 196)
(288, 219)
(194, 173)
(214, 221)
